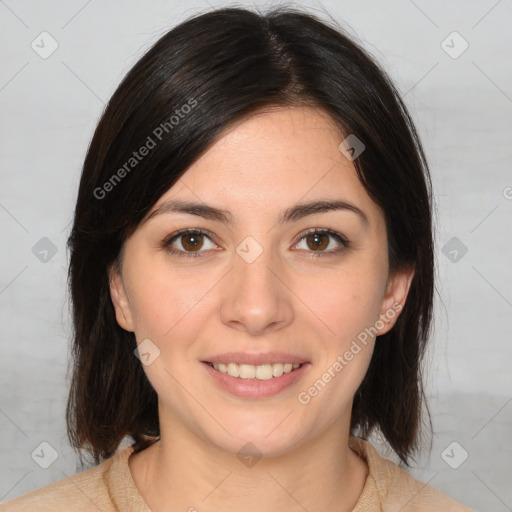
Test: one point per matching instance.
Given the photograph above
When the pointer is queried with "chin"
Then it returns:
(268, 436)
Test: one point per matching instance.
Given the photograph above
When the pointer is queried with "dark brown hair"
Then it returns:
(225, 65)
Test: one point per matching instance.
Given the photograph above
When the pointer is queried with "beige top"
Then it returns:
(109, 487)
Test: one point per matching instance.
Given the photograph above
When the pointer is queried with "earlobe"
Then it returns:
(120, 300)
(393, 302)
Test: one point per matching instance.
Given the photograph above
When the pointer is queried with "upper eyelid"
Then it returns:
(186, 231)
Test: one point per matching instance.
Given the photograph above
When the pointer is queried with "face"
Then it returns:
(259, 282)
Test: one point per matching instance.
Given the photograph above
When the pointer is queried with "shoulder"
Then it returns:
(398, 490)
(81, 492)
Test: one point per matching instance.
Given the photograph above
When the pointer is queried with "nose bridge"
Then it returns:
(255, 267)
(255, 298)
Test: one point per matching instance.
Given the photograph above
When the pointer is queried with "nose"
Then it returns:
(256, 298)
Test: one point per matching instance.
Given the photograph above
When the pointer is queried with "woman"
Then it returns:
(252, 276)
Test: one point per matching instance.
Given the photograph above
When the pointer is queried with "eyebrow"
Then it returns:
(291, 214)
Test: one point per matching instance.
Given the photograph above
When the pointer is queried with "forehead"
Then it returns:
(271, 160)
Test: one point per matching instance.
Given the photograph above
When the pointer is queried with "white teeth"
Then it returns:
(234, 370)
(247, 371)
(264, 371)
(277, 369)
(260, 372)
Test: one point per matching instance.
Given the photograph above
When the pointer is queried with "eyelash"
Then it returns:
(191, 254)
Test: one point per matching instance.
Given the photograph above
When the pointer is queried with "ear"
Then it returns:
(394, 298)
(120, 300)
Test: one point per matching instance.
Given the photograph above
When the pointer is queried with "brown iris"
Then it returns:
(317, 243)
(192, 241)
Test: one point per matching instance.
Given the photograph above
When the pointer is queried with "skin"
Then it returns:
(287, 300)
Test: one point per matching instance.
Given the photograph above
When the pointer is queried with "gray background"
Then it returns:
(462, 104)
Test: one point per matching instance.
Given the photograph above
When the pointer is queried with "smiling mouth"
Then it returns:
(260, 372)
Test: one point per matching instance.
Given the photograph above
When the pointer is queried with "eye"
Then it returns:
(191, 241)
(317, 240)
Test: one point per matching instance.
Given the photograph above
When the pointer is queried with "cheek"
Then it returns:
(164, 303)
(345, 303)
(348, 309)
(150, 308)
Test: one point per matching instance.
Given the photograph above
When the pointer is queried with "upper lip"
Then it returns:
(255, 359)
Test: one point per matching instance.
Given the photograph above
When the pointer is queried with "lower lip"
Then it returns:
(255, 388)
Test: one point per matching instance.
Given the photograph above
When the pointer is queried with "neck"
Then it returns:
(184, 472)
